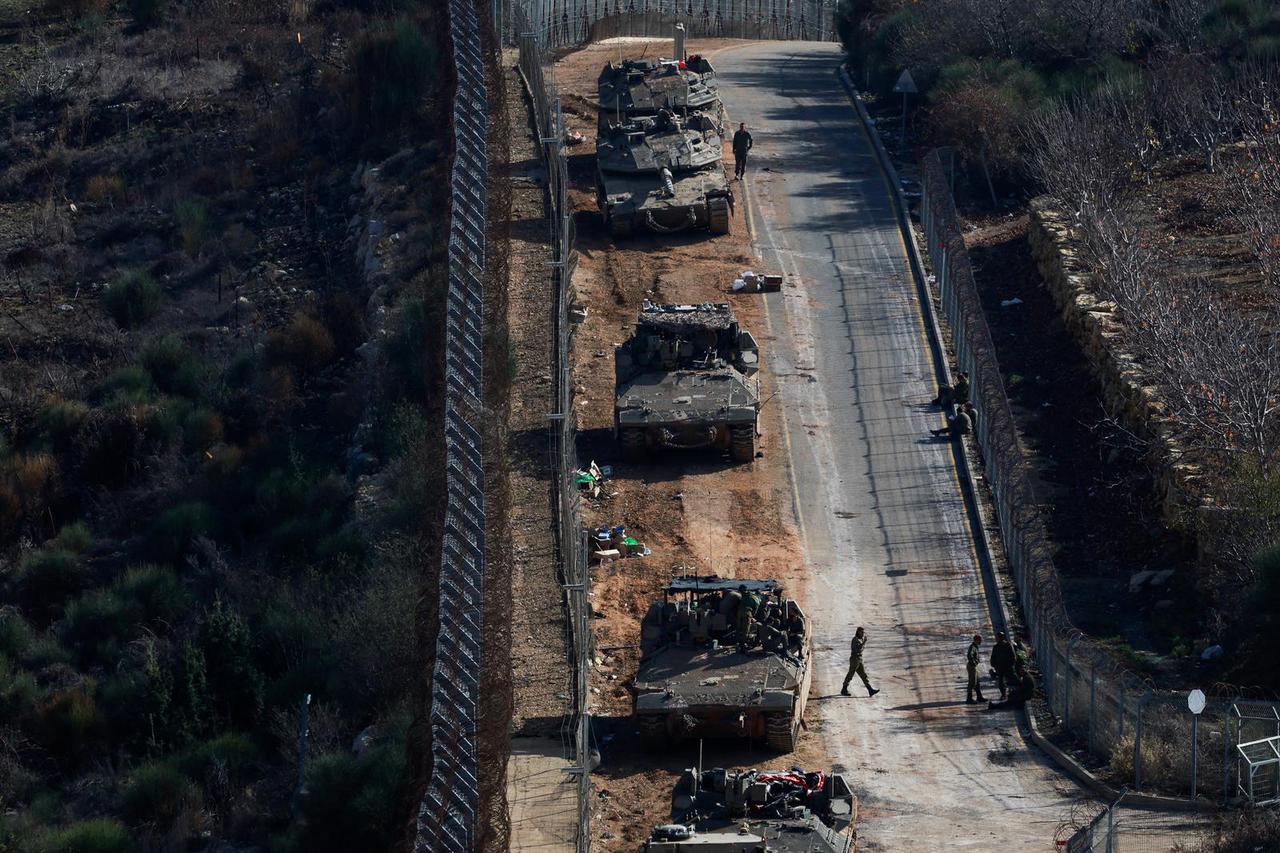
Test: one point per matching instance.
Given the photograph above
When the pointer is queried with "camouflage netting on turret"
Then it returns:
(686, 319)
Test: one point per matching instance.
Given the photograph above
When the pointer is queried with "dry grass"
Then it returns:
(105, 189)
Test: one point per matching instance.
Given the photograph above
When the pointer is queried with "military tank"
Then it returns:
(685, 379)
(644, 87)
(787, 811)
(662, 173)
(698, 677)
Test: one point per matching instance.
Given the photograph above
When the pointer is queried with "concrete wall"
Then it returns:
(1092, 322)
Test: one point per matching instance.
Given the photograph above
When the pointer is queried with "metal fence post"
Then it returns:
(1093, 703)
(1195, 752)
(1066, 693)
(1137, 742)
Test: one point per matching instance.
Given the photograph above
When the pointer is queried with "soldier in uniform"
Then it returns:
(953, 395)
(855, 664)
(958, 424)
(742, 143)
(971, 659)
(1002, 662)
(746, 610)
(1023, 688)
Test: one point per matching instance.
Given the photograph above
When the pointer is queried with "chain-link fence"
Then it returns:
(1119, 829)
(564, 23)
(447, 814)
(1148, 735)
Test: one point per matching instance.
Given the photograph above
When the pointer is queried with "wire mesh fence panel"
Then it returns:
(563, 23)
(448, 812)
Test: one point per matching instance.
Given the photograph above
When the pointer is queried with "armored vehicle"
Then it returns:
(686, 379)
(640, 87)
(662, 173)
(700, 675)
(787, 811)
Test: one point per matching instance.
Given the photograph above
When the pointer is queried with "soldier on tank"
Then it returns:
(971, 658)
(746, 612)
(855, 664)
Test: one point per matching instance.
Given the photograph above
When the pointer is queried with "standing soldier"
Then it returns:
(741, 145)
(746, 608)
(1002, 663)
(855, 664)
(971, 659)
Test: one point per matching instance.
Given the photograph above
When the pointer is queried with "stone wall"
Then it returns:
(1127, 396)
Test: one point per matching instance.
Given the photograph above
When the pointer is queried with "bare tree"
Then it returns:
(1193, 105)
(1083, 151)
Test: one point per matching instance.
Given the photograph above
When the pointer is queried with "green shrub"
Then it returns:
(146, 13)
(113, 444)
(241, 371)
(304, 345)
(15, 633)
(154, 591)
(132, 299)
(163, 422)
(45, 651)
(351, 801)
(46, 579)
(97, 623)
(230, 753)
(69, 721)
(234, 682)
(391, 64)
(412, 330)
(157, 794)
(62, 419)
(201, 429)
(174, 368)
(78, 8)
(129, 386)
(173, 532)
(74, 537)
(191, 215)
(19, 693)
(101, 835)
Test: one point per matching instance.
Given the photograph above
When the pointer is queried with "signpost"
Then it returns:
(906, 86)
(1195, 703)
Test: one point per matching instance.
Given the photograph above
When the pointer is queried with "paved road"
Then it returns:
(877, 500)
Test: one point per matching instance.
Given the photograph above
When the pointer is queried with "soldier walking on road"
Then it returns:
(741, 145)
(1002, 663)
(855, 664)
(971, 658)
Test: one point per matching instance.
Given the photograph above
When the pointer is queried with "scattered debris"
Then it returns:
(749, 282)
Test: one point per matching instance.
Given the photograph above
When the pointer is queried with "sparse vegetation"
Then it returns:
(178, 503)
(133, 299)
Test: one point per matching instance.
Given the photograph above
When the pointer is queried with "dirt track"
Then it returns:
(695, 510)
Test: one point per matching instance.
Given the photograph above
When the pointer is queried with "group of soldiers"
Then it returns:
(760, 621)
(1015, 684)
(954, 399)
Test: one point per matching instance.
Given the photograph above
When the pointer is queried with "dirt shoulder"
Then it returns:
(697, 511)
(543, 679)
